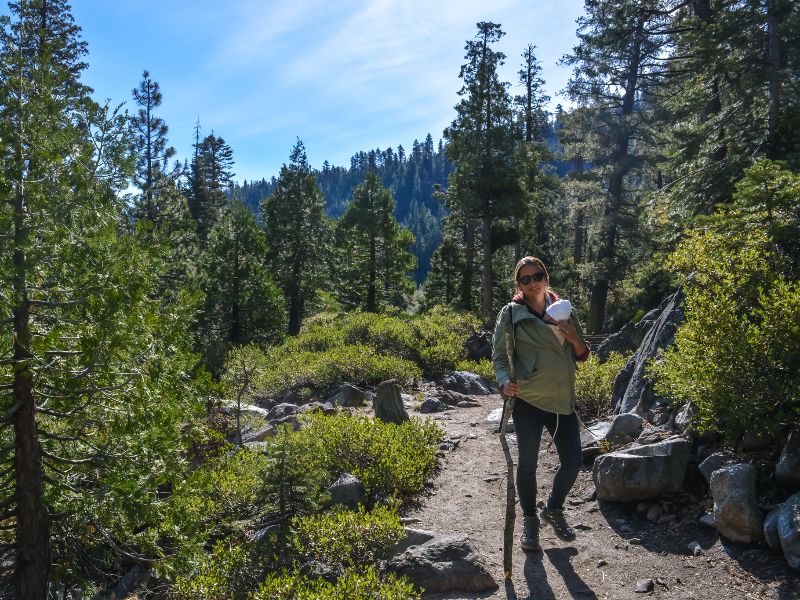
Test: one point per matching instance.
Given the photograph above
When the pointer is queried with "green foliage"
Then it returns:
(594, 383)
(384, 457)
(354, 585)
(347, 539)
(483, 367)
(229, 571)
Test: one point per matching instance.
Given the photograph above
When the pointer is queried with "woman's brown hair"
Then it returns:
(529, 260)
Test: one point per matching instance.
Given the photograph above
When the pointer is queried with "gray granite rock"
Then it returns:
(258, 435)
(771, 529)
(594, 434)
(623, 426)
(629, 338)
(642, 473)
(711, 464)
(470, 384)
(787, 471)
(433, 405)
(414, 537)
(736, 513)
(707, 520)
(388, 403)
(452, 398)
(326, 408)
(789, 530)
(348, 395)
(444, 564)
(347, 490)
(281, 411)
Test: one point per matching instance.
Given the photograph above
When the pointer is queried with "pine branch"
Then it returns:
(55, 413)
(58, 304)
(69, 461)
(7, 501)
(123, 552)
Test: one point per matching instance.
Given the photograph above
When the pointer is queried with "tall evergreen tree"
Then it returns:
(210, 176)
(242, 304)
(374, 247)
(297, 234)
(91, 389)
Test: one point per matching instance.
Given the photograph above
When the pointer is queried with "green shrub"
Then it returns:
(737, 355)
(384, 457)
(229, 571)
(594, 383)
(354, 585)
(346, 539)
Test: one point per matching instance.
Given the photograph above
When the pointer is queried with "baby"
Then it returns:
(560, 310)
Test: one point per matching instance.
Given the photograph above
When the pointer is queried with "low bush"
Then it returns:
(345, 539)
(594, 383)
(364, 584)
(483, 367)
(385, 457)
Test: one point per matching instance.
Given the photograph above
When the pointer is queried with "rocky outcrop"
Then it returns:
(347, 490)
(787, 472)
(388, 403)
(736, 513)
(444, 564)
(642, 473)
(633, 391)
(469, 384)
(789, 530)
(630, 337)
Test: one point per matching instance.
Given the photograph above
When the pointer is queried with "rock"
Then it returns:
(509, 427)
(594, 434)
(637, 541)
(258, 435)
(642, 473)
(736, 514)
(711, 464)
(707, 520)
(666, 519)
(628, 338)
(479, 345)
(623, 426)
(229, 408)
(469, 404)
(643, 507)
(655, 512)
(789, 530)
(444, 564)
(787, 472)
(633, 391)
(317, 570)
(626, 529)
(281, 411)
(378, 500)
(648, 437)
(685, 422)
(452, 398)
(288, 420)
(469, 384)
(347, 490)
(752, 442)
(695, 548)
(771, 529)
(590, 452)
(348, 395)
(388, 405)
(601, 563)
(432, 405)
(414, 537)
(643, 586)
(326, 408)
(129, 581)
(588, 495)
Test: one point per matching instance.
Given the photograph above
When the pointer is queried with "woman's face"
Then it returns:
(535, 288)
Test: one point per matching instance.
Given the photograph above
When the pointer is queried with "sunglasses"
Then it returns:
(526, 279)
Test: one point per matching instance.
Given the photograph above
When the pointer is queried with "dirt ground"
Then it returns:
(467, 495)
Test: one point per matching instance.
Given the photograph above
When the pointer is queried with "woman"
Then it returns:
(545, 390)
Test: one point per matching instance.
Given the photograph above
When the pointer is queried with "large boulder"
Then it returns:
(388, 403)
(787, 472)
(470, 384)
(711, 464)
(348, 490)
(281, 411)
(641, 473)
(625, 425)
(771, 529)
(789, 530)
(258, 435)
(414, 537)
(630, 337)
(633, 391)
(348, 395)
(736, 513)
(594, 434)
(444, 564)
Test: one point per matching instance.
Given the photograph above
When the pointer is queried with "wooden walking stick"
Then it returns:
(511, 491)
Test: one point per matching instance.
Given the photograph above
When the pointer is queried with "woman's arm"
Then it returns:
(502, 369)
(573, 337)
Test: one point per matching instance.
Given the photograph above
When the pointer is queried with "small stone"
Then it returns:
(643, 507)
(491, 479)
(643, 586)
(473, 424)
(695, 549)
(666, 519)
(655, 512)
(472, 436)
(575, 501)
(637, 541)
(707, 520)
(581, 526)
(626, 529)
(601, 563)
(468, 404)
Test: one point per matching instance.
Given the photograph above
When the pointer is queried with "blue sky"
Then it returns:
(342, 76)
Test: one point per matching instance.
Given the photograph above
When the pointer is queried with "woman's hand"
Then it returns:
(568, 329)
(510, 388)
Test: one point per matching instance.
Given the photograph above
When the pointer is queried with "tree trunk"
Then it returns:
(372, 275)
(235, 326)
(577, 250)
(295, 303)
(466, 290)
(773, 119)
(597, 307)
(33, 521)
(517, 244)
(487, 261)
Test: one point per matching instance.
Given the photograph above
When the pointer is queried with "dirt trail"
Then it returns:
(461, 500)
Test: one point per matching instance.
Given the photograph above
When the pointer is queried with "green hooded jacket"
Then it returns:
(544, 369)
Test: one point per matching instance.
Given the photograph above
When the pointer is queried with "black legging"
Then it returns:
(528, 424)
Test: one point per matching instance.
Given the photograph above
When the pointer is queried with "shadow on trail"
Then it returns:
(536, 576)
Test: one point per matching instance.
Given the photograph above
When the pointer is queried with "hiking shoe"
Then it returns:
(555, 517)
(529, 540)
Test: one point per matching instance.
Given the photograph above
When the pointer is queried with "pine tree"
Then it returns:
(375, 248)
(242, 304)
(297, 234)
(92, 388)
(210, 176)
